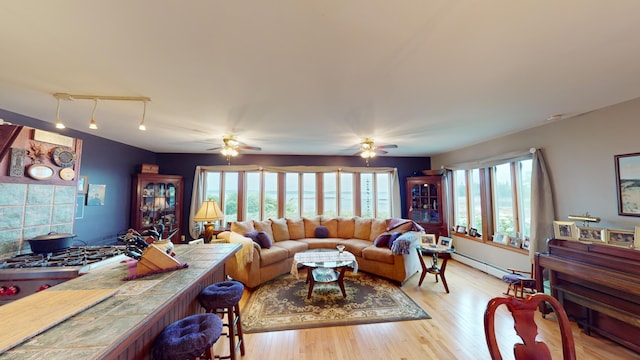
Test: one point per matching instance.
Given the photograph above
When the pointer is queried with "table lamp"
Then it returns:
(209, 211)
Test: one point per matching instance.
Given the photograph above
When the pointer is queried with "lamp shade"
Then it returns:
(209, 211)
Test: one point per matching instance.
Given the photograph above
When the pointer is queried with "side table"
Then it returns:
(437, 252)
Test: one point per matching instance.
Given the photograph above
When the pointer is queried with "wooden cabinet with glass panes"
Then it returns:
(425, 202)
(157, 199)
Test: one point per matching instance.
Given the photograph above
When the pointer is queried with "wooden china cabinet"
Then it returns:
(157, 198)
(426, 202)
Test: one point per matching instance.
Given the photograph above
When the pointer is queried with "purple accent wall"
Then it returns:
(185, 165)
(104, 162)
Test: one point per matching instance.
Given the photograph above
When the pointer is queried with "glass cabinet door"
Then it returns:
(424, 203)
(158, 201)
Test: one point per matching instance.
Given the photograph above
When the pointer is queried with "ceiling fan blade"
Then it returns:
(215, 148)
(390, 146)
(381, 152)
(254, 148)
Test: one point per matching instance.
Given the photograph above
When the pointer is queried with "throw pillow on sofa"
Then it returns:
(321, 232)
(394, 236)
(264, 240)
(382, 240)
(253, 235)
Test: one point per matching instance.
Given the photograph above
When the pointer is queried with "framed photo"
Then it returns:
(628, 184)
(473, 232)
(591, 234)
(565, 230)
(500, 238)
(526, 243)
(461, 229)
(83, 185)
(428, 239)
(636, 238)
(96, 195)
(515, 242)
(621, 237)
(445, 242)
(80, 206)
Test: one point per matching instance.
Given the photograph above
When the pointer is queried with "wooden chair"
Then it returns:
(523, 311)
(519, 281)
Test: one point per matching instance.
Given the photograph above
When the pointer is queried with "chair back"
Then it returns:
(523, 311)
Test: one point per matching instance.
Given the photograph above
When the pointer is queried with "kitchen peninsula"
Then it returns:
(125, 325)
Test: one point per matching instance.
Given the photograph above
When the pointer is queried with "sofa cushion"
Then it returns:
(379, 254)
(328, 243)
(292, 246)
(273, 255)
(355, 246)
(242, 227)
(362, 228)
(296, 229)
(310, 225)
(378, 226)
(382, 240)
(346, 227)
(263, 226)
(331, 224)
(264, 240)
(321, 232)
(280, 229)
(394, 236)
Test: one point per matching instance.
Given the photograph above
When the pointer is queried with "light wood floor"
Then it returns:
(454, 332)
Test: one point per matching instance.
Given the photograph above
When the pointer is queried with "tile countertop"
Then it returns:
(92, 333)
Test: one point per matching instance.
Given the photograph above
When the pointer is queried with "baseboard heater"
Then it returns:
(481, 265)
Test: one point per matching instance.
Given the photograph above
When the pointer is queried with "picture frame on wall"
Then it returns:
(80, 206)
(627, 168)
(96, 194)
(592, 234)
(624, 238)
(565, 230)
(83, 185)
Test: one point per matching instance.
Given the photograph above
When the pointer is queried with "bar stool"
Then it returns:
(223, 298)
(188, 338)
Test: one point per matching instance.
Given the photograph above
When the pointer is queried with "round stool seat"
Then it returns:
(187, 338)
(220, 295)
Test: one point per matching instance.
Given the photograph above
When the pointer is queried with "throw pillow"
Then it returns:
(296, 229)
(382, 240)
(253, 235)
(362, 228)
(346, 228)
(331, 224)
(378, 226)
(263, 226)
(394, 236)
(310, 225)
(242, 227)
(264, 239)
(321, 232)
(280, 229)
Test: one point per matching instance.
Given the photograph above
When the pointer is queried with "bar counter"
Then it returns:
(125, 325)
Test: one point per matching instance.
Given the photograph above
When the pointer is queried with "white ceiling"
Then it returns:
(314, 77)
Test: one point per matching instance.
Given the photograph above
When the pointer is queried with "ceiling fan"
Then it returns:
(369, 150)
(231, 147)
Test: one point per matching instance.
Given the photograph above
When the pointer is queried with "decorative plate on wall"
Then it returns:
(40, 172)
(67, 174)
(64, 157)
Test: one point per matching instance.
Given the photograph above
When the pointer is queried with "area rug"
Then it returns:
(282, 304)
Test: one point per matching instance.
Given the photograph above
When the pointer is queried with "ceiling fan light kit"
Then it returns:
(368, 150)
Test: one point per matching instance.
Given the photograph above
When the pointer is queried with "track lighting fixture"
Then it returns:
(59, 124)
(92, 124)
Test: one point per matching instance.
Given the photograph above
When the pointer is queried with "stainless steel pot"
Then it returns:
(51, 242)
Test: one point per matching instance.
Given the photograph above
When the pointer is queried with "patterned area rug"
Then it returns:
(281, 304)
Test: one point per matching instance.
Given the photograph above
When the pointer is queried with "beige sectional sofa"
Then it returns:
(254, 265)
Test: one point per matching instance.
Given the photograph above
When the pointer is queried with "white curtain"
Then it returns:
(198, 194)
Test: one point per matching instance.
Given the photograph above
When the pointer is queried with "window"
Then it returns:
(508, 208)
(258, 194)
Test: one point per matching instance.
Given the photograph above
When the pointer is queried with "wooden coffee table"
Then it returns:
(325, 266)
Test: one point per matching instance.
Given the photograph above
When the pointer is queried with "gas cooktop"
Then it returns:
(74, 256)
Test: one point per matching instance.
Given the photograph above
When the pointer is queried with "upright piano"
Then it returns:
(598, 286)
